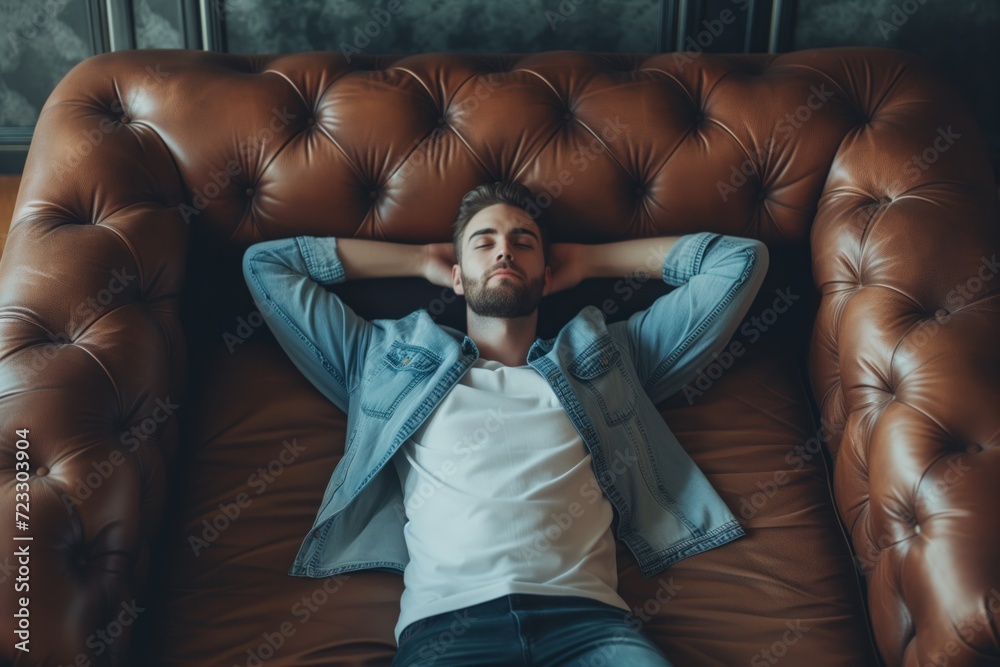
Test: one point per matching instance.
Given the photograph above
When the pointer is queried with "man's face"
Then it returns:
(502, 237)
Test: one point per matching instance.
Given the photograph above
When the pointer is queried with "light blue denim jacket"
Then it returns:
(388, 375)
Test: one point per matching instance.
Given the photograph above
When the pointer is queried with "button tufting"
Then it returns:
(761, 195)
(311, 120)
(974, 448)
(639, 190)
(373, 194)
(440, 121)
(249, 192)
(567, 115)
(941, 314)
(42, 471)
(124, 119)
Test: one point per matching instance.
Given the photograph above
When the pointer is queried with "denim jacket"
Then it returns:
(388, 375)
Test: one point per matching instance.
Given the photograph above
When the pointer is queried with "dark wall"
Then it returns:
(962, 38)
(41, 40)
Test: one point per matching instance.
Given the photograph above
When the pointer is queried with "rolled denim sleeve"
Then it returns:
(716, 279)
(325, 339)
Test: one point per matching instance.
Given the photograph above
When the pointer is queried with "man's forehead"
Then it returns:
(503, 219)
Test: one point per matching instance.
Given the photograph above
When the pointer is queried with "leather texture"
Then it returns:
(130, 345)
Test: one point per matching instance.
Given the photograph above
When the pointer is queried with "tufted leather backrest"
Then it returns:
(866, 155)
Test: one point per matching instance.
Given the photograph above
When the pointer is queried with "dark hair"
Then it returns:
(487, 194)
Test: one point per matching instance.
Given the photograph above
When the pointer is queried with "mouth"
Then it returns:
(503, 272)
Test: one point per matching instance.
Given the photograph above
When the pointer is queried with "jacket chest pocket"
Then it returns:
(395, 375)
(604, 374)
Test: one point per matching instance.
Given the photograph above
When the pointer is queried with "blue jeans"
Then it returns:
(523, 629)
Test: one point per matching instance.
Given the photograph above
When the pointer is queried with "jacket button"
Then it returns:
(605, 361)
(406, 360)
(586, 431)
(315, 533)
(552, 377)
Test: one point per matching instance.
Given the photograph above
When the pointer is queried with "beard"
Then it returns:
(504, 297)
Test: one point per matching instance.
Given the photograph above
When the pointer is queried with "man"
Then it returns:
(489, 467)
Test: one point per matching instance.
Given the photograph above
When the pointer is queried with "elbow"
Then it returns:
(761, 257)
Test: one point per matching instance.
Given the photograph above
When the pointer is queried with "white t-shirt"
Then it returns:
(501, 497)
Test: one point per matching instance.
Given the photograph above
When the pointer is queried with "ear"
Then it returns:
(547, 286)
(456, 279)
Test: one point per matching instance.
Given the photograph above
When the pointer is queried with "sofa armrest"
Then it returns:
(903, 364)
(93, 370)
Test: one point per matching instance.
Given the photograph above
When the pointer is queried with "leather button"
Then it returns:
(311, 121)
(761, 196)
(249, 192)
(373, 194)
(124, 119)
(639, 190)
(567, 115)
(42, 471)
(440, 121)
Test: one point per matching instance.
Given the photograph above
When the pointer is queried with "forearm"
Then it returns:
(365, 258)
(625, 258)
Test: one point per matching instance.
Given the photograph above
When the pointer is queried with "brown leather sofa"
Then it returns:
(176, 458)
